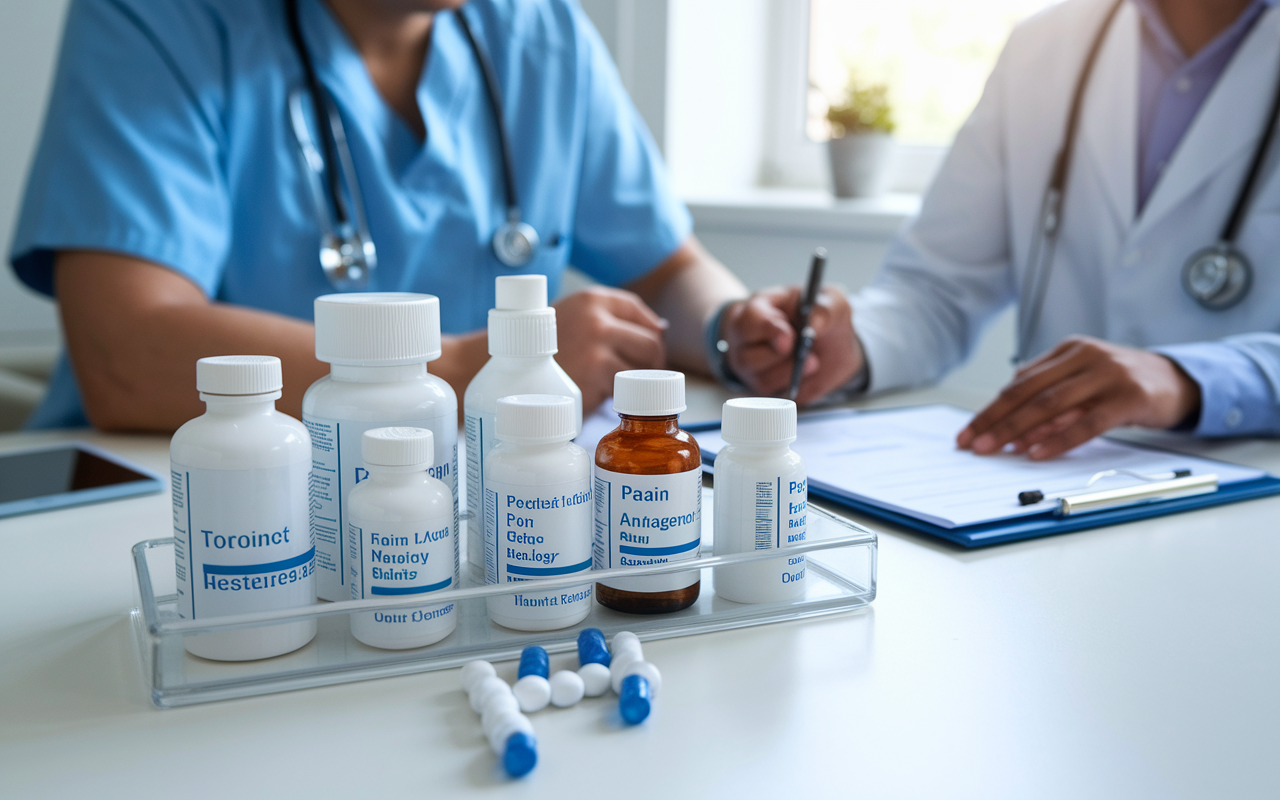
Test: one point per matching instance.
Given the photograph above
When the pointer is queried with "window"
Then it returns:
(934, 56)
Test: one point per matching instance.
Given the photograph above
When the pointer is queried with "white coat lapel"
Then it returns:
(1231, 120)
(1109, 119)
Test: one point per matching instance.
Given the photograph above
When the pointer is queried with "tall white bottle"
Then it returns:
(241, 534)
(761, 500)
(378, 346)
(522, 346)
(401, 534)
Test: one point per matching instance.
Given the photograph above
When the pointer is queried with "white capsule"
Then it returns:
(498, 703)
(623, 640)
(646, 670)
(502, 729)
(595, 679)
(567, 688)
(473, 672)
(485, 688)
(533, 692)
(618, 667)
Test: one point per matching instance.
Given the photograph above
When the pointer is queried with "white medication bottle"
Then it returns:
(538, 504)
(761, 500)
(241, 535)
(522, 346)
(377, 346)
(401, 536)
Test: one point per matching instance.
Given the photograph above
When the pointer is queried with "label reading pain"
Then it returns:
(337, 467)
(642, 520)
(534, 532)
(255, 554)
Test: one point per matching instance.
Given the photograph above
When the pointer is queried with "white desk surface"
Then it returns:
(1134, 661)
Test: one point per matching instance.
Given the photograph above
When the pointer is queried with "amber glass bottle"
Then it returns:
(648, 495)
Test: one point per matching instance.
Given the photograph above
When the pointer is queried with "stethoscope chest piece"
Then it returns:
(1217, 277)
(348, 261)
(515, 242)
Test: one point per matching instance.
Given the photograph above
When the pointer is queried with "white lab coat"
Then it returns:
(1117, 275)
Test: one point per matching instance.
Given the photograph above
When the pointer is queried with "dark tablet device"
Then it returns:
(68, 475)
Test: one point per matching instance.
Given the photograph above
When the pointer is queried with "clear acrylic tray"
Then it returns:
(840, 576)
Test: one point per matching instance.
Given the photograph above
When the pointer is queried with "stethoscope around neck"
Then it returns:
(347, 253)
(1217, 277)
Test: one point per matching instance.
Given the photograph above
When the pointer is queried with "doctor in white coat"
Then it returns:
(1170, 122)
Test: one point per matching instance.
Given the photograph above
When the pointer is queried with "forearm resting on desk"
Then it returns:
(134, 331)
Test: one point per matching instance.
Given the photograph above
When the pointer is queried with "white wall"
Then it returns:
(29, 37)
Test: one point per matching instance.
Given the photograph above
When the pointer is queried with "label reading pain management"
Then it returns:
(537, 532)
(255, 554)
(641, 520)
(336, 467)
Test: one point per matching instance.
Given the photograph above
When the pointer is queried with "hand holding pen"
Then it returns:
(760, 338)
(804, 331)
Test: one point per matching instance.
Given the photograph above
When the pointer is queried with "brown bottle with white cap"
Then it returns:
(648, 495)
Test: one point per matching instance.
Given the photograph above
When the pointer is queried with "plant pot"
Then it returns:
(858, 162)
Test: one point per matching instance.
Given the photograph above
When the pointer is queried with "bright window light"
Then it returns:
(934, 55)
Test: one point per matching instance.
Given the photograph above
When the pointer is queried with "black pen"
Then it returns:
(804, 333)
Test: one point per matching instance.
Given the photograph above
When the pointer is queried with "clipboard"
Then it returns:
(1019, 525)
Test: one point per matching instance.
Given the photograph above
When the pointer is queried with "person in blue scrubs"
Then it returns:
(168, 211)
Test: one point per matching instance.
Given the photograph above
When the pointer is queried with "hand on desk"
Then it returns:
(761, 342)
(1079, 390)
(603, 331)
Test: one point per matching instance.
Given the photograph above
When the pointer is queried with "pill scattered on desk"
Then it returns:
(592, 648)
(486, 687)
(534, 661)
(635, 700)
(533, 692)
(647, 671)
(473, 672)
(595, 678)
(567, 688)
(623, 640)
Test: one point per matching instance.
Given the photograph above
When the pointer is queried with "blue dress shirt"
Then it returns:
(1235, 388)
(168, 139)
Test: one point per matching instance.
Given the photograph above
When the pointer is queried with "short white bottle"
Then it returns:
(522, 346)
(378, 346)
(400, 534)
(761, 500)
(242, 539)
(538, 505)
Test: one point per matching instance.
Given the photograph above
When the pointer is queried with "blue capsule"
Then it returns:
(534, 661)
(592, 648)
(634, 699)
(521, 754)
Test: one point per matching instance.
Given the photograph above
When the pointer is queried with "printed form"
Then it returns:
(906, 460)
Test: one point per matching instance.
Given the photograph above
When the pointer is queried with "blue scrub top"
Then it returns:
(168, 138)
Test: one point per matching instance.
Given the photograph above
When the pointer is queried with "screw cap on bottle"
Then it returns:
(521, 323)
(238, 375)
(648, 392)
(369, 329)
(758, 420)
(398, 447)
(535, 419)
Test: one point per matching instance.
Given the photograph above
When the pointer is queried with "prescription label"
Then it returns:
(242, 540)
(336, 467)
(534, 532)
(479, 434)
(393, 559)
(642, 520)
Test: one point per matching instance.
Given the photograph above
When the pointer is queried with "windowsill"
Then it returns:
(786, 211)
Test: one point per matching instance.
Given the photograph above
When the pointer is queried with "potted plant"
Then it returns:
(861, 122)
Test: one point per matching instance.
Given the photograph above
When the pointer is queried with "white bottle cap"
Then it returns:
(398, 447)
(648, 392)
(377, 328)
(521, 324)
(535, 419)
(238, 375)
(520, 292)
(758, 420)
